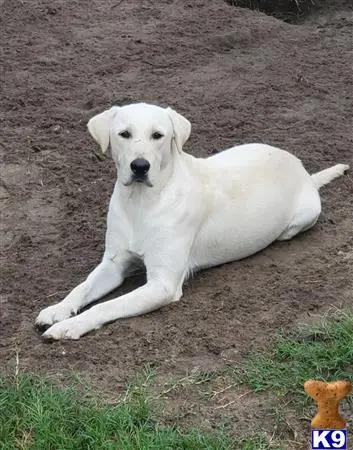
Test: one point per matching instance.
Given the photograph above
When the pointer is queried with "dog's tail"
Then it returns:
(325, 176)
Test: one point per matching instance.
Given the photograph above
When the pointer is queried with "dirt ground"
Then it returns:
(239, 76)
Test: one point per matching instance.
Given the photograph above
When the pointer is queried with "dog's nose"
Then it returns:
(140, 166)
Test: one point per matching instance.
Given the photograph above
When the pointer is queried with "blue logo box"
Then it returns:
(328, 439)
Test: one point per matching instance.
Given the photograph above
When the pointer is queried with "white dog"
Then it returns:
(178, 213)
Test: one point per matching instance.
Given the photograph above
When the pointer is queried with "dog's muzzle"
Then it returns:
(139, 168)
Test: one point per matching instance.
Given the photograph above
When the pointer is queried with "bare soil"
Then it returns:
(239, 76)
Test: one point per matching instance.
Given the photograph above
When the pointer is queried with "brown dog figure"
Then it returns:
(327, 397)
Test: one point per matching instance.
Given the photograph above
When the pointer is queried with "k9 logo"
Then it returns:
(328, 439)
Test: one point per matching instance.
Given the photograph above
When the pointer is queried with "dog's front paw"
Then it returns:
(53, 314)
(72, 328)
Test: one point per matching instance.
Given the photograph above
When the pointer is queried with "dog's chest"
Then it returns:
(138, 236)
(131, 227)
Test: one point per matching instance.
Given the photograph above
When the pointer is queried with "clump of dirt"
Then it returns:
(287, 10)
(239, 76)
(291, 11)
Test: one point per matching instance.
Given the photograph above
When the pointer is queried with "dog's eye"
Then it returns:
(157, 135)
(125, 134)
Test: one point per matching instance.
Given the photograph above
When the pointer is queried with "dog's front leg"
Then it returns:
(163, 286)
(151, 296)
(108, 275)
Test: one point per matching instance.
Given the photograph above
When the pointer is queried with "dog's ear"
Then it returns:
(99, 127)
(181, 128)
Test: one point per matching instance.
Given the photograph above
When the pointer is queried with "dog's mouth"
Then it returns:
(139, 179)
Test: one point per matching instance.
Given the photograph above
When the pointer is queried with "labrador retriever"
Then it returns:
(177, 213)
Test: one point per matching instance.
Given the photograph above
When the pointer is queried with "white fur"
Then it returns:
(198, 213)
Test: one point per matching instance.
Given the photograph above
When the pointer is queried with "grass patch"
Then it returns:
(37, 415)
(323, 352)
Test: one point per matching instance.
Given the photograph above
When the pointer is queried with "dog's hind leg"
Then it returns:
(306, 214)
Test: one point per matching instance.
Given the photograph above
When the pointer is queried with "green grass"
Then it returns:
(323, 352)
(37, 415)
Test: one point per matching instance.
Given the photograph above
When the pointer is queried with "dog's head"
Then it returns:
(142, 138)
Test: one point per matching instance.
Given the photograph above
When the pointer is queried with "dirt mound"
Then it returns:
(292, 10)
(288, 10)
